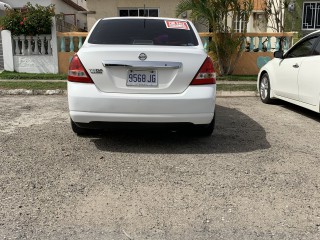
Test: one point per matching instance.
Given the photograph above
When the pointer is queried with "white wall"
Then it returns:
(34, 64)
(82, 3)
(7, 50)
(29, 63)
(61, 7)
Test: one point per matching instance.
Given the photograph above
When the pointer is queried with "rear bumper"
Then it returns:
(87, 104)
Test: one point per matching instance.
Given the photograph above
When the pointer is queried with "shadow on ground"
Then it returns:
(297, 109)
(235, 132)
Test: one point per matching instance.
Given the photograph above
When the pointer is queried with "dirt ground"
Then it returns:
(257, 177)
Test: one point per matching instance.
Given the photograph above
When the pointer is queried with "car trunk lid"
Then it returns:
(142, 69)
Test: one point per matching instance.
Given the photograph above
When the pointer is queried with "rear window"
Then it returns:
(143, 32)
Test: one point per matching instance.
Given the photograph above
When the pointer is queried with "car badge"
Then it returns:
(142, 56)
(96, 71)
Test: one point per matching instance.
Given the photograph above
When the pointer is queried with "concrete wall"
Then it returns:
(64, 61)
(34, 64)
(30, 63)
(250, 62)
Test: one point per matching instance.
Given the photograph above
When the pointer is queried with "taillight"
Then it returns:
(77, 73)
(206, 74)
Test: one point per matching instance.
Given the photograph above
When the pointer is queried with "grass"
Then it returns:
(32, 76)
(50, 76)
(39, 85)
(238, 78)
(33, 85)
(63, 86)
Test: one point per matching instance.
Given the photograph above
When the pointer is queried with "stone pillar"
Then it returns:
(54, 46)
(7, 50)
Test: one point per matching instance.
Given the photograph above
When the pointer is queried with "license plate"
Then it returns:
(142, 78)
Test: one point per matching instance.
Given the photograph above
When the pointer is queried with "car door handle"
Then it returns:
(296, 65)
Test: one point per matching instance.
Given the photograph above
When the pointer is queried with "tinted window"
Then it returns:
(317, 49)
(124, 13)
(141, 32)
(304, 49)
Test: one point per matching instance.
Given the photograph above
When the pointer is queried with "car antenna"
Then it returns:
(144, 15)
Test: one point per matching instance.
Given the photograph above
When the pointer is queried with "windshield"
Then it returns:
(143, 32)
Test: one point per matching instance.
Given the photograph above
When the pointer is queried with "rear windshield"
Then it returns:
(143, 32)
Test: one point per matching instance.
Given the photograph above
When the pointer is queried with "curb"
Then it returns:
(64, 92)
(237, 94)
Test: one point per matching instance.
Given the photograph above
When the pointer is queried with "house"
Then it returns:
(304, 17)
(162, 8)
(122, 8)
(71, 15)
(72, 12)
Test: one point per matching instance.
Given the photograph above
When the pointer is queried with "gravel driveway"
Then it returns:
(257, 177)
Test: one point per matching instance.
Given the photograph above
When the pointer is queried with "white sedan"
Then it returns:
(142, 71)
(294, 76)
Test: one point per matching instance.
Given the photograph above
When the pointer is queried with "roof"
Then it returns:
(74, 5)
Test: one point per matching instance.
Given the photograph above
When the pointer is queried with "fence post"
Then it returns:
(260, 44)
(42, 49)
(278, 43)
(23, 46)
(16, 44)
(251, 44)
(7, 50)
(48, 39)
(54, 45)
(269, 44)
(80, 43)
(29, 49)
(36, 48)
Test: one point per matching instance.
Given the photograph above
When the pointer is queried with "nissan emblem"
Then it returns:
(142, 56)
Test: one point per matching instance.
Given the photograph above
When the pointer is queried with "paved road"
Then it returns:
(257, 177)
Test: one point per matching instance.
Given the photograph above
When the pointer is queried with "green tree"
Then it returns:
(275, 12)
(226, 43)
(31, 21)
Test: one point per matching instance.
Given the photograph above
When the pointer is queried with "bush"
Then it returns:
(32, 20)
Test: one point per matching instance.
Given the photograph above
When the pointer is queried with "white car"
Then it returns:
(294, 76)
(144, 71)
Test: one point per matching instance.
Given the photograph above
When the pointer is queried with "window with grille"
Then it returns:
(311, 16)
(139, 12)
(239, 24)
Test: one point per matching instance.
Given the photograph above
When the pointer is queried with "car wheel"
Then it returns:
(264, 88)
(204, 130)
(79, 130)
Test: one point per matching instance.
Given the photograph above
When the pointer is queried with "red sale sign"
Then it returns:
(177, 25)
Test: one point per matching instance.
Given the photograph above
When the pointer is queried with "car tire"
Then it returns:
(264, 88)
(79, 130)
(204, 130)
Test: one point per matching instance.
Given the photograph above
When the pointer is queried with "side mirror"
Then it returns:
(278, 54)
